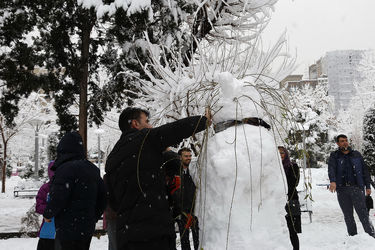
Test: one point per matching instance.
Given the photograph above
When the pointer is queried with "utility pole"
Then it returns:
(99, 152)
(99, 132)
(307, 192)
(36, 124)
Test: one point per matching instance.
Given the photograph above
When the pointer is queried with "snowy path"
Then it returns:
(326, 232)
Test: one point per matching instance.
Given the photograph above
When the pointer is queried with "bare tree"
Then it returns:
(35, 106)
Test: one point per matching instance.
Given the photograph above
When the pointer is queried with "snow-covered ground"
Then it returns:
(327, 230)
(12, 209)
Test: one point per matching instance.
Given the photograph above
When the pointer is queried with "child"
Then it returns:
(47, 230)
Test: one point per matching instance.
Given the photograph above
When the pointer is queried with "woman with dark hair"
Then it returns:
(292, 207)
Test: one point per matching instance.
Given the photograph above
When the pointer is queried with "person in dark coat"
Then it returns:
(77, 195)
(187, 220)
(135, 174)
(47, 231)
(349, 176)
(292, 207)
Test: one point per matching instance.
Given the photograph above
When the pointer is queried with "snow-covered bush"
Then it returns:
(52, 143)
(369, 139)
(312, 111)
(30, 222)
(350, 122)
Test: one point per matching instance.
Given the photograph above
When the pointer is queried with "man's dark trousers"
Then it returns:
(165, 243)
(83, 244)
(353, 196)
(184, 233)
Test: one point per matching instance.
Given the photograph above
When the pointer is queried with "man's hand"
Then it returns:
(208, 116)
(332, 187)
(368, 191)
(47, 220)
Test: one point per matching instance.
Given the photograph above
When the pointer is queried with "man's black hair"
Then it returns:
(184, 150)
(129, 114)
(340, 136)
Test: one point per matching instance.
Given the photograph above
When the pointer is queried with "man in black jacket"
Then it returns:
(349, 176)
(137, 178)
(77, 195)
(186, 219)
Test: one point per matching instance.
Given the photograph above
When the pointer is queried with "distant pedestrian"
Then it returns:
(349, 176)
(137, 177)
(77, 195)
(292, 207)
(47, 231)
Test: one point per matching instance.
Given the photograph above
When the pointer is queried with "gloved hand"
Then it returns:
(175, 184)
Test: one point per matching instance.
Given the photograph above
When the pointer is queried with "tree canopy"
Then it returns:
(89, 56)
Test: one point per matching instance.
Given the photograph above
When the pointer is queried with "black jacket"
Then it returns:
(188, 195)
(137, 178)
(77, 192)
(348, 168)
(292, 177)
(182, 199)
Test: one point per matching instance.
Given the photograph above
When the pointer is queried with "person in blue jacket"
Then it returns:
(77, 195)
(349, 177)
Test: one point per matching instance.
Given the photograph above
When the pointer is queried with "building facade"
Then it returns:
(343, 71)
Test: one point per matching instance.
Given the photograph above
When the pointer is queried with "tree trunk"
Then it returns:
(4, 155)
(83, 84)
(4, 167)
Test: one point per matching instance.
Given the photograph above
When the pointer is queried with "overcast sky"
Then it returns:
(317, 26)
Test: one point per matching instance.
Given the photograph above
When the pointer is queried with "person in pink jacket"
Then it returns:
(47, 230)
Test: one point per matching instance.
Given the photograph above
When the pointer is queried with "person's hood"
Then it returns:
(69, 148)
(50, 171)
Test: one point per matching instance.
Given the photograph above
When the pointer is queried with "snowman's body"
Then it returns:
(243, 188)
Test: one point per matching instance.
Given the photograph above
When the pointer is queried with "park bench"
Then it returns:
(25, 193)
(306, 205)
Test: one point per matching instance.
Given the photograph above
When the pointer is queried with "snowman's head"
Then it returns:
(237, 100)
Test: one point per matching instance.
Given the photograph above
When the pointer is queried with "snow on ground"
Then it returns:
(31, 243)
(12, 209)
(326, 232)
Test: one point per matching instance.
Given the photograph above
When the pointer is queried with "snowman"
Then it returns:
(242, 187)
